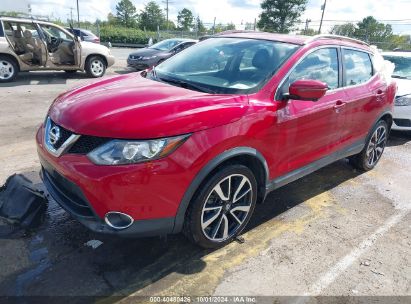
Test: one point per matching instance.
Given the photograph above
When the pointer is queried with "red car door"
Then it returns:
(366, 94)
(310, 129)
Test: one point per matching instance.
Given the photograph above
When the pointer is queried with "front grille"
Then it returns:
(403, 122)
(64, 135)
(86, 144)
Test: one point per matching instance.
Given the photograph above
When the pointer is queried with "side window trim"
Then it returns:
(1, 29)
(330, 46)
(344, 71)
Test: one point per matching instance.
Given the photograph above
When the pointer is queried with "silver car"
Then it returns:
(33, 45)
(402, 75)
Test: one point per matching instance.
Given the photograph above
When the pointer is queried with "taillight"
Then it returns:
(96, 40)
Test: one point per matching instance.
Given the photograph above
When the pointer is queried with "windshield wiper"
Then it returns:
(399, 77)
(187, 85)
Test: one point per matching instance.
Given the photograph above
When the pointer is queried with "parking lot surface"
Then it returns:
(335, 232)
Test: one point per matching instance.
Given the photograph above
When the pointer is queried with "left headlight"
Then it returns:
(121, 152)
(404, 100)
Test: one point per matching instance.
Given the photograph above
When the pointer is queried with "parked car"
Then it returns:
(192, 146)
(85, 35)
(32, 45)
(402, 74)
(150, 56)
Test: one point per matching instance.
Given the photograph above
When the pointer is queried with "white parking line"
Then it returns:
(334, 272)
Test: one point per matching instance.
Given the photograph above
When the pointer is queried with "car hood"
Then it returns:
(133, 107)
(147, 52)
(404, 86)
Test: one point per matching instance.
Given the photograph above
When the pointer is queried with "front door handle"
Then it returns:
(339, 104)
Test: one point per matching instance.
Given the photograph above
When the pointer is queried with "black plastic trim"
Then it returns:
(1, 29)
(314, 166)
(180, 216)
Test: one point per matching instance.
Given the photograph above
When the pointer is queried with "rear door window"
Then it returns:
(357, 67)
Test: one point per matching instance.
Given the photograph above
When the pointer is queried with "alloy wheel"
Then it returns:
(6, 70)
(376, 146)
(97, 67)
(226, 207)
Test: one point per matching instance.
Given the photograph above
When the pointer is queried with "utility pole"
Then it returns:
(71, 15)
(322, 16)
(167, 2)
(214, 26)
(255, 23)
(307, 21)
(78, 15)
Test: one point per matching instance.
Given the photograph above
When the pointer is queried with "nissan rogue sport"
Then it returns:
(193, 144)
(33, 45)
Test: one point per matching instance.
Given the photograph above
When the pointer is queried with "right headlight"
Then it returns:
(122, 152)
(404, 100)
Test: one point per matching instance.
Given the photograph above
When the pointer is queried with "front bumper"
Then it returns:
(110, 60)
(149, 192)
(402, 118)
(140, 64)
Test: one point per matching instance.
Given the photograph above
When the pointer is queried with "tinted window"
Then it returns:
(319, 65)
(1, 30)
(402, 65)
(358, 67)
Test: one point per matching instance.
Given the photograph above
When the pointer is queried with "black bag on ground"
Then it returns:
(21, 204)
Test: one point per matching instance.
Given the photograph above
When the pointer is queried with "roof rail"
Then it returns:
(28, 17)
(338, 37)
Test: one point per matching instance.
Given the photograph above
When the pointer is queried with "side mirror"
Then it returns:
(307, 89)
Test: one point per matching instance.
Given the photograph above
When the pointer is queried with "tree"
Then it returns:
(126, 13)
(280, 15)
(346, 29)
(151, 17)
(185, 19)
(369, 29)
(308, 32)
(111, 19)
(200, 28)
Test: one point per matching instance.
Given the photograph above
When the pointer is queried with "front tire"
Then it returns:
(8, 69)
(368, 158)
(95, 66)
(222, 207)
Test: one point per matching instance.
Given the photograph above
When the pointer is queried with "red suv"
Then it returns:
(193, 144)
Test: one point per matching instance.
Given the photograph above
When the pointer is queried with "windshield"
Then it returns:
(402, 66)
(165, 45)
(226, 65)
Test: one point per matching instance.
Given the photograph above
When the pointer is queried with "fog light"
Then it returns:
(118, 220)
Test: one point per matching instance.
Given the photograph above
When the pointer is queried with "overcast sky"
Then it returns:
(236, 11)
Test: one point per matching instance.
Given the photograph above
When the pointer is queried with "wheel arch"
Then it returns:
(93, 55)
(12, 57)
(247, 156)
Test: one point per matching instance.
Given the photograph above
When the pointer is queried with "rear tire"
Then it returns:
(216, 215)
(95, 66)
(368, 158)
(8, 69)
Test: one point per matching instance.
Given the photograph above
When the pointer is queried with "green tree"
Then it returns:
(200, 25)
(369, 29)
(346, 29)
(111, 19)
(185, 19)
(280, 15)
(126, 13)
(308, 32)
(151, 17)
